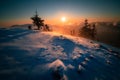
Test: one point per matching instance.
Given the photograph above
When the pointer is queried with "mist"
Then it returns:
(107, 32)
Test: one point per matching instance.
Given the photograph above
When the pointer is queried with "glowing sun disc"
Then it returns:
(63, 19)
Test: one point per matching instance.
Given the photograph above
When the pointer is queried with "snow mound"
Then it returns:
(58, 70)
(57, 63)
(70, 66)
(80, 68)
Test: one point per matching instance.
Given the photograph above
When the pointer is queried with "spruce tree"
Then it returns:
(37, 21)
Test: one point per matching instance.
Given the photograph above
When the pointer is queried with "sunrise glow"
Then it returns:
(63, 19)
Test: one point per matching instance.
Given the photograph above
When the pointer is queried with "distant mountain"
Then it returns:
(24, 25)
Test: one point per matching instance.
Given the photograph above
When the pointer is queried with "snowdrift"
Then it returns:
(34, 55)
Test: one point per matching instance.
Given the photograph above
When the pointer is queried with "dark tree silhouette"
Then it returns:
(86, 23)
(29, 27)
(93, 31)
(87, 30)
(47, 28)
(37, 21)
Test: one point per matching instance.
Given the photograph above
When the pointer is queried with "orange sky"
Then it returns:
(55, 21)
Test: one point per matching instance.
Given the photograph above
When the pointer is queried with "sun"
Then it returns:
(63, 19)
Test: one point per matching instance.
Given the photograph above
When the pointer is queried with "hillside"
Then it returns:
(34, 55)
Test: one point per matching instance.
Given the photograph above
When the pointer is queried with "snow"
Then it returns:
(58, 69)
(56, 64)
(34, 55)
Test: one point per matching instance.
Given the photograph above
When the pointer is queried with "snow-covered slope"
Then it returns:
(34, 55)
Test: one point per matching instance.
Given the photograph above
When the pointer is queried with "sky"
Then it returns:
(19, 11)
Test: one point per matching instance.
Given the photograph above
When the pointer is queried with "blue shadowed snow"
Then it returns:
(34, 55)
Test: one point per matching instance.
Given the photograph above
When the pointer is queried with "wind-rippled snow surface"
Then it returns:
(34, 55)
